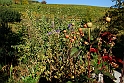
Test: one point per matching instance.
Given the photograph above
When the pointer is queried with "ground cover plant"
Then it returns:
(61, 44)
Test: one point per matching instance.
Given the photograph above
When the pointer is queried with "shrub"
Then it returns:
(5, 2)
(9, 15)
(8, 54)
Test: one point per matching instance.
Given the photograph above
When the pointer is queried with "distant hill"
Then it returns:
(60, 10)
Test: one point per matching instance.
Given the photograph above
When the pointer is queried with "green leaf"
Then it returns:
(68, 82)
(97, 71)
(108, 74)
(73, 51)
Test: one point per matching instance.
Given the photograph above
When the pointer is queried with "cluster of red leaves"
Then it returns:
(107, 37)
(112, 59)
(93, 50)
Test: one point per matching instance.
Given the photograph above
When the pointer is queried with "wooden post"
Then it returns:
(89, 56)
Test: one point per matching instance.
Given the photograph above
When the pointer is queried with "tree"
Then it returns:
(119, 3)
(43, 2)
(116, 26)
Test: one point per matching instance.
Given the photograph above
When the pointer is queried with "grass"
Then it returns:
(69, 11)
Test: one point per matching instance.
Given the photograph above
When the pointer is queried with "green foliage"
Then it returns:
(116, 26)
(5, 2)
(8, 40)
(70, 12)
(24, 2)
(9, 15)
(119, 3)
(45, 51)
(50, 50)
(117, 19)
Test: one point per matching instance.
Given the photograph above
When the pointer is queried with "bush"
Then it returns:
(8, 39)
(5, 2)
(9, 15)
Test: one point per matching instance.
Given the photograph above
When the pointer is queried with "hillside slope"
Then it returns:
(60, 10)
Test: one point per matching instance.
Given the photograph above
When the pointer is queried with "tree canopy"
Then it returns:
(119, 3)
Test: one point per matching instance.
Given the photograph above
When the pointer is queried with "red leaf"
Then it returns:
(99, 62)
(107, 58)
(112, 59)
(106, 33)
(93, 50)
